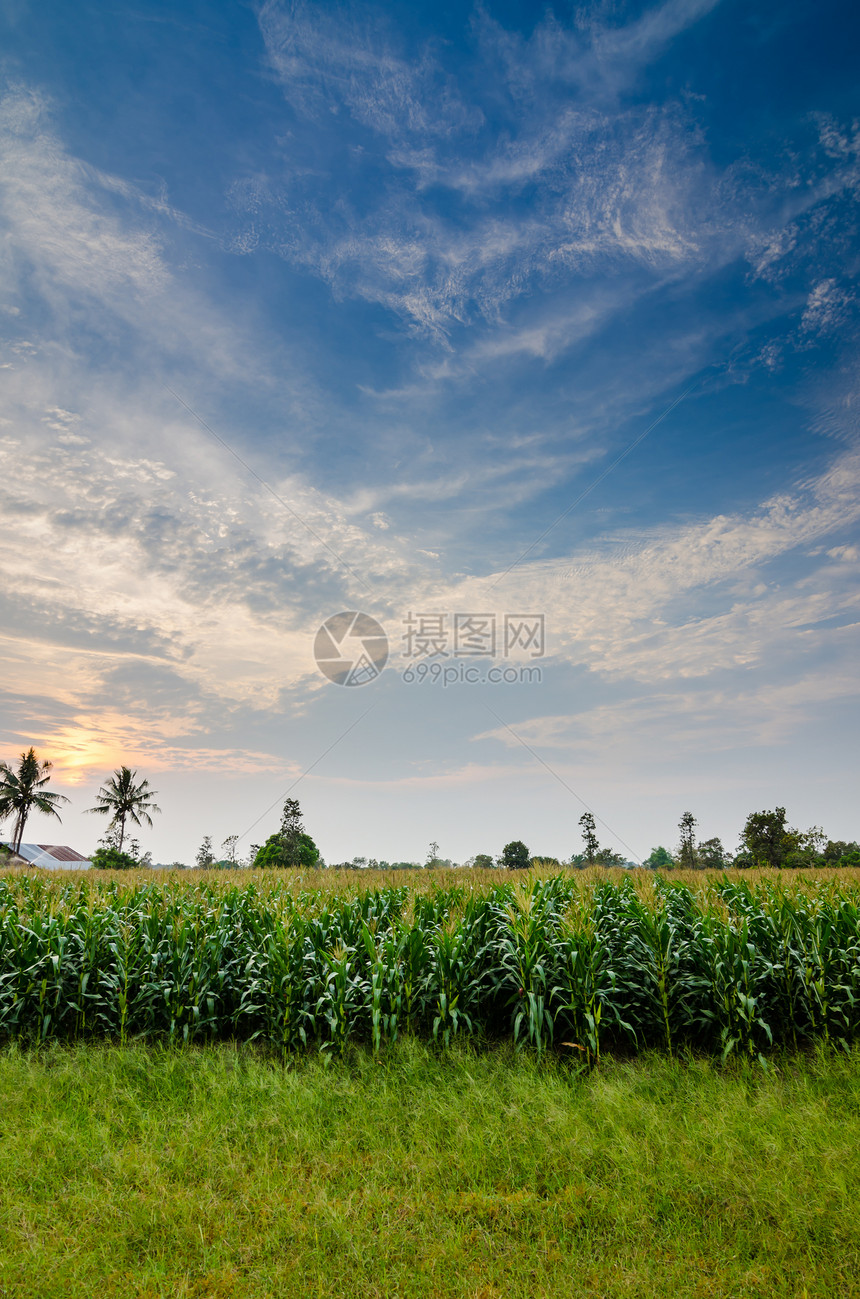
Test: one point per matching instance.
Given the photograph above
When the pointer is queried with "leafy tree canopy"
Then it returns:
(301, 852)
(841, 852)
(111, 859)
(767, 839)
(515, 856)
(712, 855)
(659, 859)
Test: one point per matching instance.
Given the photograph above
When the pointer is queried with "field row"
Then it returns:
(577, 964)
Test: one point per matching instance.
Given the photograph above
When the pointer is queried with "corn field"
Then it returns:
(582, 964)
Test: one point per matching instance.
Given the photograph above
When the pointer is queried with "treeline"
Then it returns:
(766, 840)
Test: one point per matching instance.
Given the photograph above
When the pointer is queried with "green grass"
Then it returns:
(147, 1171)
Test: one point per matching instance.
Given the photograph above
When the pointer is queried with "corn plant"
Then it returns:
(573, 962)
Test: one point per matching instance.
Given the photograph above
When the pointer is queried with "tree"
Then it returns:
(483, 862)
(299, 849)
(432, 860)
(23, 791)
(291, 828)
(606, 857)
(303, 853)
(815, 839)
(712, 855)
(767, 839)
(839, 852)
(589, 838)
(808, 849)
(205, 856)
(515, 856)
(687, 859)
(291, 846)
(143, 860)
(228, 848)
(106, 858)
(659, 859)
(122, 800)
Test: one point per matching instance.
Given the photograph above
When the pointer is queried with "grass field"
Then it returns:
(378, 1156)
(144, 1171)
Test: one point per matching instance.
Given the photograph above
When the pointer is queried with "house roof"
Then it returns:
(53, 856)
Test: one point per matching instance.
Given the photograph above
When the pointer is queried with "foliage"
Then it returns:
(767, 839)
(290, 847)
(515, 856)
(301, 852)
(123, 800)
(840, 853)
(111, 859)
(205, 856)
(589, 839)
(687, 858)
(483, 862)
(23, 791)
(711, 855)
(659, 859)
(606, 857)
(295, 844)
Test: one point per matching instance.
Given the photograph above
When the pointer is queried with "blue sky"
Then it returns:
(429, 273)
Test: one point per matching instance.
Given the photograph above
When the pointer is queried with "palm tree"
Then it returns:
(121, 798)
(23, 790)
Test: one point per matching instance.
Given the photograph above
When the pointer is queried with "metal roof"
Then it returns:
(53, 856)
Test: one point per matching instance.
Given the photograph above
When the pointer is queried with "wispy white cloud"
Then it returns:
(631, 731)
(826, 308)
(605, 182)
(693, 600)
(96, 250)
(561, 179)
(68, 240)
(328, 59)
(595, 55)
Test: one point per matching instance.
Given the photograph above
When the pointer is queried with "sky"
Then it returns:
(528, 332)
